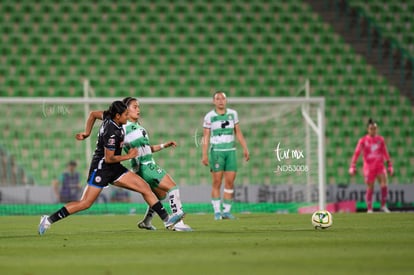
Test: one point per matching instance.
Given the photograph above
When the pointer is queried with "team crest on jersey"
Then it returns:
(111, 141)
(374, 147)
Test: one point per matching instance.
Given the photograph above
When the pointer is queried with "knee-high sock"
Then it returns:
(216, 205)
(175, 200)
(149, 214)
(368, 198)
(384, 194)
(227, 205)
(227, 200)
(159, 208)
(58, 215)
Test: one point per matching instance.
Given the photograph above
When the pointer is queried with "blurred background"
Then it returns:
(356, 54)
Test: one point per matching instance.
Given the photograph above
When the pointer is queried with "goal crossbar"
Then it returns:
(316, 124)
(160, 100)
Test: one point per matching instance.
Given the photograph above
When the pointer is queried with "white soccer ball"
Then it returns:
(321, 219)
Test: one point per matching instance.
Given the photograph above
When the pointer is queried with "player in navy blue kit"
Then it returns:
(106, 169)
(144, 165)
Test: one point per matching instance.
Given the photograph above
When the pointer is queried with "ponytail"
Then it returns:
(117, 107)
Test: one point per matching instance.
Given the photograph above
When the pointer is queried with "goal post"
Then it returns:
(285, 136)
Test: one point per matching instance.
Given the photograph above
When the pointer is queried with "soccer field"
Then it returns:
(252, 244)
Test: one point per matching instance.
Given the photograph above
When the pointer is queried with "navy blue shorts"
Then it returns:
(105, 174)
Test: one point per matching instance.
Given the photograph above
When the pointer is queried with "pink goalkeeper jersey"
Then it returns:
(374, 153)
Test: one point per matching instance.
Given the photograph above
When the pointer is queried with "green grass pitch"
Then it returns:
(252, 244)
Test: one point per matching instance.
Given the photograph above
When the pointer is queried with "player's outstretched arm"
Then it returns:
(93, 116)
(159, 147)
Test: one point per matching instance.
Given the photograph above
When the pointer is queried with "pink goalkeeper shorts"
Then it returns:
(371, 175)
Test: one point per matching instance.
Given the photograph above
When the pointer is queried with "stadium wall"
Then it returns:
(400, 194)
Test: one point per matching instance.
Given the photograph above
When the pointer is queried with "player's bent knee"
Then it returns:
(85, 204)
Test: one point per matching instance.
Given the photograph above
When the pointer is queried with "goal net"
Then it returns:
(285, 137)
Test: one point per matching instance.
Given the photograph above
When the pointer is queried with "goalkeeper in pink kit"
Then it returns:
(374, 153)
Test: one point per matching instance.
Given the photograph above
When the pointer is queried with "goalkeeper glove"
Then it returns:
(390, 170)
(352, 170)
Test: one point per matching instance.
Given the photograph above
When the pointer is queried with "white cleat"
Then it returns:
(217, 216)
(385, 209)
(181, 226)
(228, 216)
(43, 225)
(173, 219)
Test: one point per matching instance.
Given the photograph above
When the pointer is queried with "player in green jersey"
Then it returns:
(221, 128)
(144, 165)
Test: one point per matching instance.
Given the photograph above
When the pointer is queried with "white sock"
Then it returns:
(175, 201)
(216, 205)
(227, 206)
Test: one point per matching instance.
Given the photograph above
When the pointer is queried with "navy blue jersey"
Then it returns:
(111, 137)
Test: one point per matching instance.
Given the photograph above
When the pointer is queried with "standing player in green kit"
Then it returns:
(221, 128)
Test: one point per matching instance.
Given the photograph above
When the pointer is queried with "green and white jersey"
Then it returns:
(137, 137)
(221, 129)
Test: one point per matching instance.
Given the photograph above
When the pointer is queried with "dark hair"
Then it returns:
(128, 100)
(117, 107)
(371, 122)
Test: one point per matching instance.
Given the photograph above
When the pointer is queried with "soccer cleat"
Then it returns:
(228, 216)
(173, 219)
(43, 225)
(181, 226)
(147, 226)
(370, 211)
(217, 216)
(385, 209)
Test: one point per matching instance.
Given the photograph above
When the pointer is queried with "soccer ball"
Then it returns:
(321, 219)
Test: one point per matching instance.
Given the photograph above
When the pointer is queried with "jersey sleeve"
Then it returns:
(236, 117)
(110, 139)
(357, 152)
(127, 143)
(385, 152)
(207, 121)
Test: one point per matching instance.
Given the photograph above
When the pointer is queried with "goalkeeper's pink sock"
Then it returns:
(368, 198)
(384, 194)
